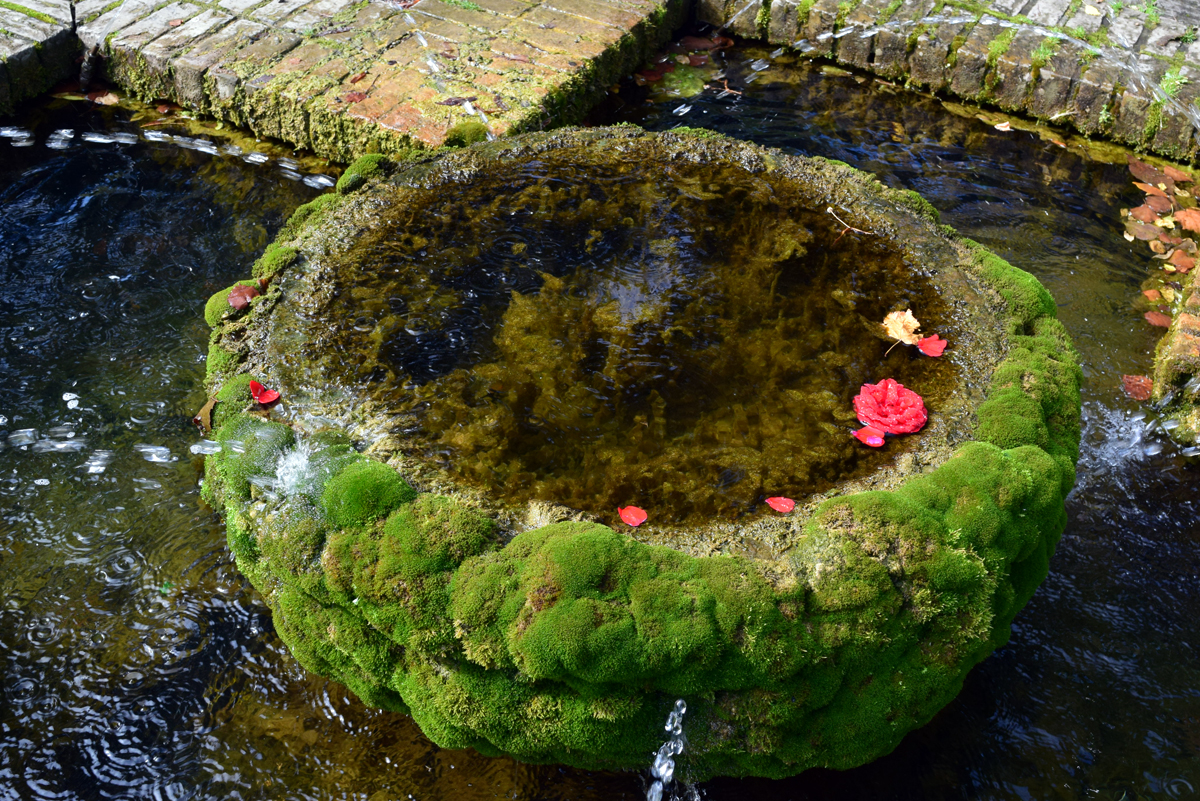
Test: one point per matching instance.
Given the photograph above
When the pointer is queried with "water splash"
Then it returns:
(663, 768)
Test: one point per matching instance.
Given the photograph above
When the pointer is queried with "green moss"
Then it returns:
(1042, 54)
(364, 491)
(251, 447)
(363, 168)
(232, 398)
(219, 361)
(29, 12)
(999, 46)
(273, 259)
(218, 306)
(762, 22)
(803, 8)
(920, 205)
(310, 211)
(466, 133)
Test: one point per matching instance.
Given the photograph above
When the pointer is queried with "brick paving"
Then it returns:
(1125, 71)
(342, 77)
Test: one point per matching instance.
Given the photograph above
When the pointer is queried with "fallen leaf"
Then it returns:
(1149, 189)
(632, 515)
(1187, 245)
(355, 97)
(890, 407)
(240, 295)
(697, 43)
(722, 42)
(932, 345)
(175, 23)
(261, 394)
(1168, 294)
(1003, 126)
(164, 109)
(1138, 387)
(1182, 261)
(1128, 236)
(902, 326)
(1165, 222)
(1158, 247)
(1189, 219)
(1152, 294)
(1178, 176)
(106, 99)
(1158, 319)
(1144, 172)
(647, 76)
(203, 418)
(781, 504)
(1171, 239)
(1158, 203)
(870, 436)
(1144, 213)
(698, 60)
(358, 77)
(682, 60)
(1141, 231)
(1092, 11)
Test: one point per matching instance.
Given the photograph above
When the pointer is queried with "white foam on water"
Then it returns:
(294, 470)
(159, 454)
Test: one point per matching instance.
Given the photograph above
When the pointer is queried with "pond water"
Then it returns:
(138, 663)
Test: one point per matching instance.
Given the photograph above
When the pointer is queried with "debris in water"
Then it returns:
(1138, 387)
(632, 515)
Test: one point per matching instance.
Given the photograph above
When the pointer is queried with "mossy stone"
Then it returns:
(364, 491)
(218, 306)
(364, 167)
(857, 620)
(466, 133)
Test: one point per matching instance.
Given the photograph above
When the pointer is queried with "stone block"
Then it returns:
(1127, 28)
(1009, 7)
(1093, 96)
(929, 62)
(1130, 116)
(189, 69)
(1048, 12)
(570, 25)
(1089, 23)
(58, 10)
(1176, 137)
(1052, 91)
(968, 78)
(890, 54)
(784, 24)
(602, 13)
(1012, 76)
(819, 27)
(274, 12)
(240, 7)
(18, 24)
(505, 8)
(479, 20)
(265, 48)
(854, 49)
(1164, 40)
(159, 53)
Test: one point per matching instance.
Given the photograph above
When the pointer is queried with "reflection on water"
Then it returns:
(137, 663)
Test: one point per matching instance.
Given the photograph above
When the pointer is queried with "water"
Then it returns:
(137, 664)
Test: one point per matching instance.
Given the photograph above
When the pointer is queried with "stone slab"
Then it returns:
(34, 54)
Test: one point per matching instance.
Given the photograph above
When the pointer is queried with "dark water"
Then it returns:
(595, 331)
(137, 664)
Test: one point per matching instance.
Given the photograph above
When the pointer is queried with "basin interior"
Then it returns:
(595, 330)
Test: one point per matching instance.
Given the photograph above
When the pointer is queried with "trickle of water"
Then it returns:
(663, 767)
(205, 447)
(154, 453)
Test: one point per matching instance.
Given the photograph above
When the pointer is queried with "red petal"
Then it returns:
(632, 515)
(267, 396)
(256, 389)
(781, 504)
(932, 345)
(870, 436)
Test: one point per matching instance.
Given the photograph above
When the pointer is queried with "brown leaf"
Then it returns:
(1158, 247)
(358, 77)
(1189, 219)
(697, 43)
(1182, 261)
(105, 99)
(1144, 172)
(1138, 387)
(1158, 318)
(1141, 231)
(175, 23)
(239, 296)
(1152, 295)
(698, 59)
(1149, 190)
(355, 97)
(1171, 239)
(204, 417)
(1187, 246)
(1159, 204)
(902, 326)
(1178, 176)
(1144, 213)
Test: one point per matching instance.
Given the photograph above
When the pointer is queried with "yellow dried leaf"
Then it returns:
(1168, 294)
(1165, 222)
(902, 326)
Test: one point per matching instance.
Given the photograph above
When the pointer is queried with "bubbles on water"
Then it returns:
(72, 400)
(22, 436)
(157, 136)
(42, 482)
(97, 462)
(146, 484)
(155, 453)
(205, 447)
(10, 132)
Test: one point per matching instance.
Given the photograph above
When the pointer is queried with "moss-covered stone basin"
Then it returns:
(483, 352)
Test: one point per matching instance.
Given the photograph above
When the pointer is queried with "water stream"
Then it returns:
(138, 664)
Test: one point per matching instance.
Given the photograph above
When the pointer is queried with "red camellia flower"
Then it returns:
(889, 407)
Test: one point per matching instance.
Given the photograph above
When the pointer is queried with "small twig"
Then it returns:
(727, 89)
(848, 226)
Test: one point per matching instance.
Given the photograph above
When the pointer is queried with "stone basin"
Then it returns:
(482, 353)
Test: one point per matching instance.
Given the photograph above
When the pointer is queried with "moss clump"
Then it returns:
(309, 211)
(251, 447)
(364, 167)
(218, 306)
(364, 491)
(273, 259)
(920, 205)
(466, 133)
(219, 361)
